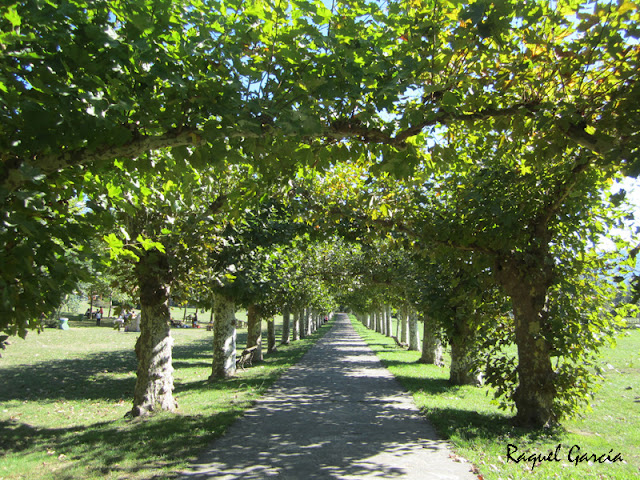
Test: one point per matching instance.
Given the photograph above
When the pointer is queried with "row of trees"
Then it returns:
(479, 137)
(483, 281)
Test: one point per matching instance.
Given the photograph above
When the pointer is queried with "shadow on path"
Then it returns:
(337, 414)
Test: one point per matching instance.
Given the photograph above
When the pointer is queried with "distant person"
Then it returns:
(88, 314)
(98, 317)
(194, 321)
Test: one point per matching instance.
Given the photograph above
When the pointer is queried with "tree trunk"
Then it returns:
(154, 382)
(431, 344)
(404, 326)
(254, 332)
(224, 338)
(389, 321)
(308, 321)
(414, 336)
(463, 356)
(296, 325)
(302, 328)
(271, 335)
(527, 284)
(286, 320)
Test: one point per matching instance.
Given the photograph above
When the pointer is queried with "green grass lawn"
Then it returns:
(481, 433)
(65, 393)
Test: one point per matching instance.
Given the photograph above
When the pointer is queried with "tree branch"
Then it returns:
(12, 179)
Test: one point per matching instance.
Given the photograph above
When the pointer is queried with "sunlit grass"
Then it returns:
(480, 432)
(65, 394)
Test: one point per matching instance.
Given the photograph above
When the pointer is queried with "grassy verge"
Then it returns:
(65, 394)
(481, 433)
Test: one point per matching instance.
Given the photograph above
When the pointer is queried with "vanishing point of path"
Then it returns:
(337, 414)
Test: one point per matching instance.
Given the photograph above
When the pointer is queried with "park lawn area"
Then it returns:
(65, 395)
(177, 313)
(480, 432)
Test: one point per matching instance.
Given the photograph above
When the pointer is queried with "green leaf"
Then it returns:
(13, 17)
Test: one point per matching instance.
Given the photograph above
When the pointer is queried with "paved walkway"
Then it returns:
(337, 414)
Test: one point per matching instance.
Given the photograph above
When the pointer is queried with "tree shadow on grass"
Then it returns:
(161, 442)
(96, 376)
(156, 445)
(468, 423)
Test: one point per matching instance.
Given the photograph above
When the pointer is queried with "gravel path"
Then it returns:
(337, 414)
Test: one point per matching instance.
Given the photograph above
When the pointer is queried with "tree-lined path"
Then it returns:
(337, 414)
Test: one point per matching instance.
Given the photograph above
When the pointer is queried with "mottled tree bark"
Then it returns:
(296, 325)
(403, 318)
(414, 336)
(308, 321)
(224, 338)
(254, 332)
(431, 344)
(389, 327)
(154, 382)
(302, 326)
(286, 324)
(463, 370)
(527, 282)
(271, 336)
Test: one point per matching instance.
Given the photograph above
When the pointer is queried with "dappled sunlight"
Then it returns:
(337, 414)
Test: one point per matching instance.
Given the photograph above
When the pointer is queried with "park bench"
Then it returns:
(399, 343)
(246, 357)
(209, 326)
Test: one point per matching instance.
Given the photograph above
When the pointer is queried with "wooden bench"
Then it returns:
(399, 343)
(246, 357)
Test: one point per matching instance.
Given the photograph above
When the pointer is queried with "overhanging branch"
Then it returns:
(12, 179)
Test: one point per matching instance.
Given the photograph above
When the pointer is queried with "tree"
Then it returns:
(161, 218)
(519, 205)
